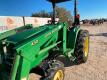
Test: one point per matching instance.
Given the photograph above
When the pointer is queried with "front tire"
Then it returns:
(56, 72)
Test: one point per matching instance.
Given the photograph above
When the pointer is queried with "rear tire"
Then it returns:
(82, 47)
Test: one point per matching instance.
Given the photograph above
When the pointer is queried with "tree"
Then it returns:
(64, 15)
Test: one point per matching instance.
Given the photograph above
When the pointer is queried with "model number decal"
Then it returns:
(34, 42)
(48, 34)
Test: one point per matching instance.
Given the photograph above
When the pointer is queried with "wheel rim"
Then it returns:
(59, 75)
(86, 46)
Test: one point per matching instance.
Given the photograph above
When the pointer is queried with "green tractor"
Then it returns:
(27, 49)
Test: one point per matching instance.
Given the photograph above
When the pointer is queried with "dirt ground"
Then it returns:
(96, 66)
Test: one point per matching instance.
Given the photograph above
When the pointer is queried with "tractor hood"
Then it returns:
(22, 36)
(31, 33)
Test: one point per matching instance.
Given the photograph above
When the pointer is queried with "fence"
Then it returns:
(11, 22)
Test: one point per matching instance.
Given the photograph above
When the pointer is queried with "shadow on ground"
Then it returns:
(65, 61)
(99, 34)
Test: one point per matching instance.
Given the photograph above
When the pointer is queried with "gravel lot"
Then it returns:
(96, 66)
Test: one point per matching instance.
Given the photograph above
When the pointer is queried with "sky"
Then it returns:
(86, 8)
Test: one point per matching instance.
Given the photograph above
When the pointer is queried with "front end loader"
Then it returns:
(27, 49)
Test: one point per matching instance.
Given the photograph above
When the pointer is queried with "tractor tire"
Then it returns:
(82, 47)
(56, 72)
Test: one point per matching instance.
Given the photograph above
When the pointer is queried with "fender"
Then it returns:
(72, 37)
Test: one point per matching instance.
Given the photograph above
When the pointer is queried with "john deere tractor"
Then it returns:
(27, 49)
